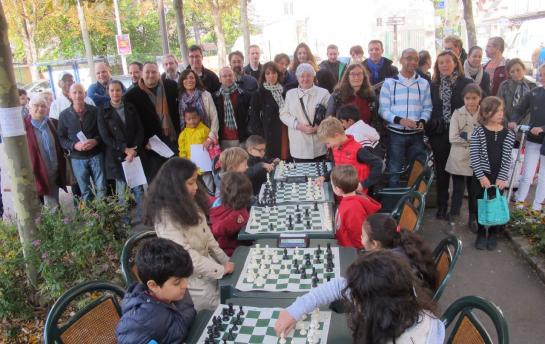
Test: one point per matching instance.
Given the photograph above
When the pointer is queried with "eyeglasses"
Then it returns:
(356, 75)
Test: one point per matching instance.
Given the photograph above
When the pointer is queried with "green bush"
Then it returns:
(530, 225)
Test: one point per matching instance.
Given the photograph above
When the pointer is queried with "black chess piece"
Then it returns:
(231, 310)
(298, 218)
(224, 341)
(319, 250)
(211, 337)
(308, 262)
(238, 321)
(235, 327)
(316, 206)
(315, 281)
(230, 336)
(318, 260)
(285, 254)
(314, 273)
(303, 273)
(271, 227)
(307, 213)
(329, 256)
(328, 247)
(207, 341)
(297, 208)
(309, 226)
(296, 270)
(290, 219)
(240, 312)
(295, 263)
(328, 278)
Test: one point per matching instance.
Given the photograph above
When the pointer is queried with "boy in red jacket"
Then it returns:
(229, 212)
(353, 209)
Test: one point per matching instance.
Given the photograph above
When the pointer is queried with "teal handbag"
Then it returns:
(493, 212)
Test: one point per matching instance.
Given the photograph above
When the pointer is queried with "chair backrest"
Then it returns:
(407, 214)
(468, 328)
(445, 256)
(417, 166)
(127, 256)
(94, 323)
(424, 182)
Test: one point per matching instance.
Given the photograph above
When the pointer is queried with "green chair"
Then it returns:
(94, 323)
(412, 171)
(445, 256)
(388, 197)
(127, 256)
(409, 211)
(468, 328)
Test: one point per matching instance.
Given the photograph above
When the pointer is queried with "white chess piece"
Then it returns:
(259, 281)
(282, 339)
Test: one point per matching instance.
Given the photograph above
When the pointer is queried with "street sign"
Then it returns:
(123, 44)
(395, 21)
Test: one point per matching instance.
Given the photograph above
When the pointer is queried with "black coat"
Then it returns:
(117, 136)
(68, 127)
(265, 121)
(388, 70)
(241, 113)
(436, 125)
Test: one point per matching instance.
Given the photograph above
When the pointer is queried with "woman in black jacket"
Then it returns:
(446, 95)
(264, 113)
(123, 135)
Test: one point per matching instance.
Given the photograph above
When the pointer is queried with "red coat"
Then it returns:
(500, 74)
(352, 212)
(225, 226)
(347, 154)
(38, 165)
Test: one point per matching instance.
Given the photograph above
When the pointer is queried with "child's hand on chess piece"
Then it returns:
(319, 181)
(276, 161)
(228, 267)
(240, 219)
(284, 324)
(268, 167)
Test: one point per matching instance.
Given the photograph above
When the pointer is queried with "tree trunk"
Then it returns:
(86, 41)
(163, 27)
(182, 38)
(29, 43)
(470, 23)
(197, 31)
(17, 159)
(218, 30)
(245, 27)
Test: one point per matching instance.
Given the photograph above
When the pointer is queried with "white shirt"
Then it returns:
(62, 103)
(364, 134)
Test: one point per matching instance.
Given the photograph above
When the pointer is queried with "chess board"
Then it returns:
(309, 217)
(302, 169)
(279, 192)
(255, 325)
(282, 269)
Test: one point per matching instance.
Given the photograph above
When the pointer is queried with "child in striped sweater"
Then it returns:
(490, 153)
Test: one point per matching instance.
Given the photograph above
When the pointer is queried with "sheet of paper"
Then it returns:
(81, 136)
(160, 147)
(201, 158)
(134, 172)
(11, 122)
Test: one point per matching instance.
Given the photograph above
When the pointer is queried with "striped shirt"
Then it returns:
(408, 98)
(478, 153)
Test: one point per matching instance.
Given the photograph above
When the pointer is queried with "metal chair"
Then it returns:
(468, 328)
(128, 268)
(445, 256)
(414, 168)
(94, 323)
(409, 215)
(388, 197)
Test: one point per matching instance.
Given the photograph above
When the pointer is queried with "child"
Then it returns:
(363, 133)
(195, 132)
(229, 212)
(234, 159)
(346, 151)
(158, 308)
(258, 166)
(462, 124)
(353, 208)
(490, 151)
(388, 302)
(177, 207)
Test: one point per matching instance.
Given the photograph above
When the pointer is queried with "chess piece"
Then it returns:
(271, 227)
(308, 225)
(285, 254)
(230, 336)
(319, 250)
(328, 278)
(328, 247)
(298, 218)
(240, 312)
(316, 206)
(231, 310)
(303, 274)
(282, 339)
(314, 282)
(307, 213)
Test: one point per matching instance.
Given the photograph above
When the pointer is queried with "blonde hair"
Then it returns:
(232, 157)
(329, 127)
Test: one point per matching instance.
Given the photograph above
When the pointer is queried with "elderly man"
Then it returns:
(62, 101)
(170, 65)
(495, 67)
(135, 71)
(232, 105)
(378, 66)
(244, 81)
(78, 134)
(98, 91)
(253, 68)
(209, 79)
(157, 103)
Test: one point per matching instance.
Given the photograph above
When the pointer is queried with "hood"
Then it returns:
(135, 296)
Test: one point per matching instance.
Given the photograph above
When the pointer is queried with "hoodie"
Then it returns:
(146, 318)
(225, 225)
(352, 212)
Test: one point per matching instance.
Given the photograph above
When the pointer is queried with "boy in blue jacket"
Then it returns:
(159, 309)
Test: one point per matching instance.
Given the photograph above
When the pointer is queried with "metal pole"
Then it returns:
(517, 160)
(119, 32)
(395, 43)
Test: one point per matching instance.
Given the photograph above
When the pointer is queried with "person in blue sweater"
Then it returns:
(98, 91)
(405, 105)
(159, 309)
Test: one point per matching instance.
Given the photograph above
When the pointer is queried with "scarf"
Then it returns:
(374, 69)
(48, 145)
(276, 91)
(194, 100)
(230, 121)
(161, 107)
(520, 90)
(475, 73)
(445, 92)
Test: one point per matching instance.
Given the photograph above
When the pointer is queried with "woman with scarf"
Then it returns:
(194, 95)
(446, 95)
(513, 89)
(46, 156)
(265, 113)
(473, 69)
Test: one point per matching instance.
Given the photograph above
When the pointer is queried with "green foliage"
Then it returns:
(530, 225)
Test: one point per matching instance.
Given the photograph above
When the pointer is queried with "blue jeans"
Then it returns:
(137, 191)
(87, 169)
(402, 149)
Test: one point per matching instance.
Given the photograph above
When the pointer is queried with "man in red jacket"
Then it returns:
(353, 209)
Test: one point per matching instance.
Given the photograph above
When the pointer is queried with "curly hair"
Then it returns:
(168, 193)
(345, 91)
(384, 229)
(385, 296)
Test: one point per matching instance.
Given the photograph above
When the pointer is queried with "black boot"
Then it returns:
(492, 241)
(441, 214)
(472, 223)
(480, 243)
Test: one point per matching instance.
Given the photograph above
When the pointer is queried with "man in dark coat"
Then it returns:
(253, 68)
(209, 78)
(378, 66)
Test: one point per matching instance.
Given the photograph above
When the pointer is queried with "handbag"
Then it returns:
(319, 113)
(493, 212)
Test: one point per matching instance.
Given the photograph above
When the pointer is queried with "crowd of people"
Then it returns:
(367, 116)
